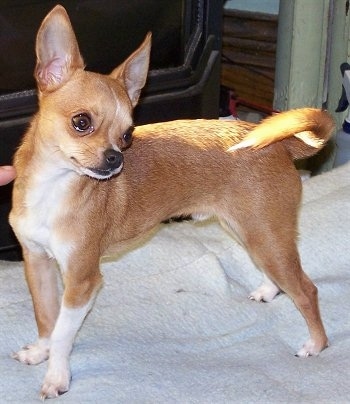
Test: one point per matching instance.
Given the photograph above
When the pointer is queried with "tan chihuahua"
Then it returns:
(82, 192)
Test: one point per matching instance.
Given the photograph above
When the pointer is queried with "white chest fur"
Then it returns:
(44, 205)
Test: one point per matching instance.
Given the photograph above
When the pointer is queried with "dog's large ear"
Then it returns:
(134, 70)
(57, 50)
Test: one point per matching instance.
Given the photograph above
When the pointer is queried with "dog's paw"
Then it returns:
(311, 348)
(56, 382)
(33, 354)
(264, 293)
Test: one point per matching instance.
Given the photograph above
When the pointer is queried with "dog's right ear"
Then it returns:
(57, 51)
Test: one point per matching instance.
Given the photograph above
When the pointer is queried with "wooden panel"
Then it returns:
(249, 55)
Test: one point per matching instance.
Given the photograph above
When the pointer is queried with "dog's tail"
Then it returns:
(303, 132)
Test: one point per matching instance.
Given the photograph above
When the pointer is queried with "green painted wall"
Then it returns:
(262, 6)
(313, 40)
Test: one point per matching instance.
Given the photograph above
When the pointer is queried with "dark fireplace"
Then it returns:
(184, 73)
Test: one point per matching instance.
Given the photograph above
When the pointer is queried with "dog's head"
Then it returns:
(84, 117)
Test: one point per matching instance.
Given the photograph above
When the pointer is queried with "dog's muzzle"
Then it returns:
(113, 158)
(112, 164)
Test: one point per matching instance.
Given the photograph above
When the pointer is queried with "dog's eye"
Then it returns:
(82, 123)
(127, 136)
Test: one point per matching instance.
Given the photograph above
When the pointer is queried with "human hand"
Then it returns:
(7, 174)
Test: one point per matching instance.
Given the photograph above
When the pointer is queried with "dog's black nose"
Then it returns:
(113, 158)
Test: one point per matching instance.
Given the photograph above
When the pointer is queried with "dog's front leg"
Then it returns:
(81, 285)
(41, 276)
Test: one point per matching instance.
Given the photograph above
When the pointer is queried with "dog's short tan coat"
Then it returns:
(81, 191)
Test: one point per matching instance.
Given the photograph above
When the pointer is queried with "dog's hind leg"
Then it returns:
(274, 251)
(293, 281)
(277, 256)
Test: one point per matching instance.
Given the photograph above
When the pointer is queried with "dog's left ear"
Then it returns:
(57, 51)
(134, 70)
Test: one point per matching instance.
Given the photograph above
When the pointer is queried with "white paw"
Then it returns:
(264, 293)
(310, 348)
(56, 382)
(34, 353)
(200, 216)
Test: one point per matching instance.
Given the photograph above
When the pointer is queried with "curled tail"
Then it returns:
(303, 132)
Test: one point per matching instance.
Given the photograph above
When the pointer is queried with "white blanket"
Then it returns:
(173, 323)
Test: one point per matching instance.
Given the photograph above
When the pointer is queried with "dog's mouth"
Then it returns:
(112, 165)
(100, 173)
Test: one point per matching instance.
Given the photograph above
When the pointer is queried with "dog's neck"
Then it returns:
(44, 183)
(43, 163)
(43, 180)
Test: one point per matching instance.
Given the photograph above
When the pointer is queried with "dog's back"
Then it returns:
(186, 163)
